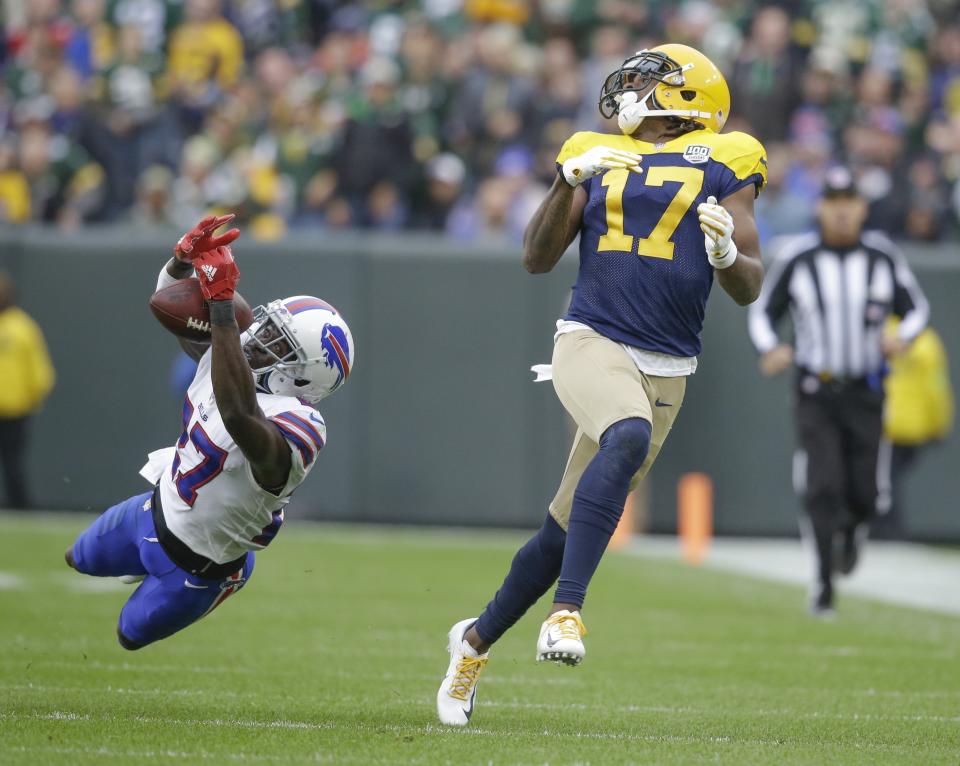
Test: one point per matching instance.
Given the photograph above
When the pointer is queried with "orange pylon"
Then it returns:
(695, 515)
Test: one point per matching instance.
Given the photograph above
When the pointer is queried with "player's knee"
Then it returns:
(68, 557)
(629, 441)
(127, 643)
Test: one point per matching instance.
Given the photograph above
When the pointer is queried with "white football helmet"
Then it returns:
(309, 342)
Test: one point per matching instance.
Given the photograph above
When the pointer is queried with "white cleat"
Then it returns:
(458, 691)
(131, 579)
(561, 639)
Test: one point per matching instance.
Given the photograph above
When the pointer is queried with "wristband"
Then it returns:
(221, 313)
(165, 278)
(726, 260)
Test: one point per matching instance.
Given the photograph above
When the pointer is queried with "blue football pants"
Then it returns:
(123, 541)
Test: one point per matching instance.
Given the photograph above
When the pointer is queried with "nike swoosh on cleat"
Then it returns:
(188, 584)
(551, 642)
(468, 711)
(658, 403)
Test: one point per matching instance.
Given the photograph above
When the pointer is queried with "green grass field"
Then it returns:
(333, 653)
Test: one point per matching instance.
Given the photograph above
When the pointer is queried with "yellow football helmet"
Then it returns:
(686, 84)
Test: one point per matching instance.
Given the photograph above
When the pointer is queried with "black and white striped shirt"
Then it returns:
(839, 301)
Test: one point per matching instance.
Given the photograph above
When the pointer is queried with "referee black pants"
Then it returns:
(13, 445)
(839, 428)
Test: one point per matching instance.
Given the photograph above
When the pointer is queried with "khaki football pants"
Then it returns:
(599, 384)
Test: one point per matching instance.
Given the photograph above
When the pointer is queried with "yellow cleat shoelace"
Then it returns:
(568, 625)
(468, 671)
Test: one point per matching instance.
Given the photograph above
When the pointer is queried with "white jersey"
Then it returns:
(209, 497)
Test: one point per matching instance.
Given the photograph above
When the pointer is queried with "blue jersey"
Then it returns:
(644, 276)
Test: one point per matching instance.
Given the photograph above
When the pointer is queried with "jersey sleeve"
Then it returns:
(306, 433)
(740, 161)
(574, 146)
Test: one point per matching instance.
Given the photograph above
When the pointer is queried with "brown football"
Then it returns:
(180, 308)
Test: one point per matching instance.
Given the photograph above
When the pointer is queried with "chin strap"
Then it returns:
(633, 112)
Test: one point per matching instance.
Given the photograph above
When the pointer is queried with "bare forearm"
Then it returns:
(548, 233)
(743, 280)
(236, 397)
(232, 379)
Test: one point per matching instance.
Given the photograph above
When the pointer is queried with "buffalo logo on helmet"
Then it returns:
(337, 351)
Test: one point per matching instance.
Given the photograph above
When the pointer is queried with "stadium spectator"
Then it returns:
(288, 94)
(153, 208)
(492, 107)
(205, 59)
(14, 188)
(782, 208)
(27, 376)
(65, 186)
(92, 39)
(766, 75)
(436, 202)
(375, 165)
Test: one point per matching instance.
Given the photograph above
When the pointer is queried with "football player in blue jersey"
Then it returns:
(660, 211)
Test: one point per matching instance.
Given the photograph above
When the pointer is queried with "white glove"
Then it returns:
(717, 227)
(594, 161)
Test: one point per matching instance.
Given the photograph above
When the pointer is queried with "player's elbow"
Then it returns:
(535, 263)
(754, 290)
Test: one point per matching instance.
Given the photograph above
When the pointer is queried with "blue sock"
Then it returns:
(598, 505)
(533, 571)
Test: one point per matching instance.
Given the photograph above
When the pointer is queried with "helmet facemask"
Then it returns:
(271, 335)
(620, 92)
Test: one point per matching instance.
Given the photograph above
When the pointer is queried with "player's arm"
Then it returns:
(765, 314)
(733, 244)
(198, 240)
(260, 441)
(909, 303)
(553, 227)
(558, 219)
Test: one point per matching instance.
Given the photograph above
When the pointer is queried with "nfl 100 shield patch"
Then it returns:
(696, 154)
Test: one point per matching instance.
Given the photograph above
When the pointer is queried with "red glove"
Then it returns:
(218, 274)
(200, 238)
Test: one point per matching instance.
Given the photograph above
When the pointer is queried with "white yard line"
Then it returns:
(905, 574)
(10, 581)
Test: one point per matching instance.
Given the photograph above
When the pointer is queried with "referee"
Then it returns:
(840, 285)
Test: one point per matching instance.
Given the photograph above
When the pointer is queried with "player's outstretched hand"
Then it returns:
(200, 238)
(594, 161)
(218, 274)
(716, 223)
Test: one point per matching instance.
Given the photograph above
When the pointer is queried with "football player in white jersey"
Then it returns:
(250, 437)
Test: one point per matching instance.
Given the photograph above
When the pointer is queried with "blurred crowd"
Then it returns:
(447, 115)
